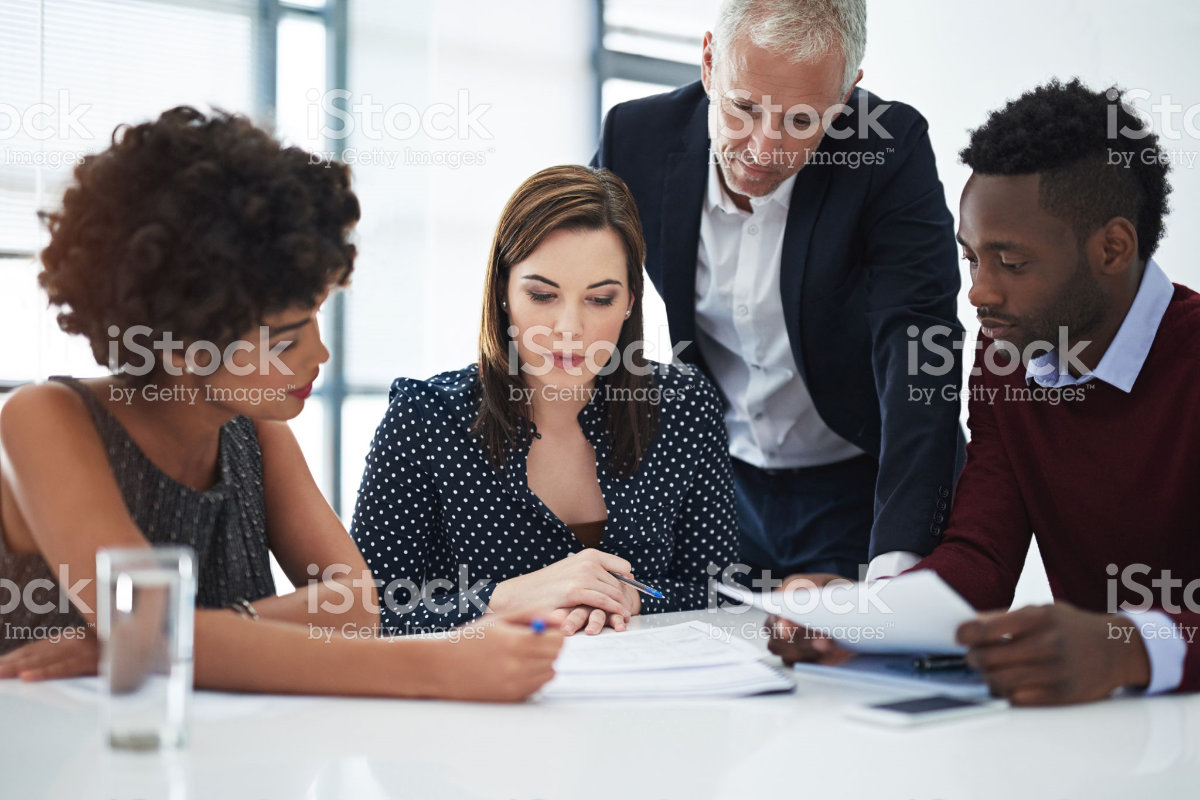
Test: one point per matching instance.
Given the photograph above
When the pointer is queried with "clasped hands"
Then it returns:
(1035, 656)
(580, 588)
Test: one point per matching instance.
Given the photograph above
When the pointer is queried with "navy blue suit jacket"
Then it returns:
(868, 253)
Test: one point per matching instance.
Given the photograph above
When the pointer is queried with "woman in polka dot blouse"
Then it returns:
(563, 456)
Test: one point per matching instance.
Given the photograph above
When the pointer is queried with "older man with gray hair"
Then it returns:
(799, 236)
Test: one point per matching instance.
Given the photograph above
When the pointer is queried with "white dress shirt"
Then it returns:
(740, 331)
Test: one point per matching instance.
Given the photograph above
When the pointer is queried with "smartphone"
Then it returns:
(920, 710)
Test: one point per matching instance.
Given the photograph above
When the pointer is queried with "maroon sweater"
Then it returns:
(1101, 478)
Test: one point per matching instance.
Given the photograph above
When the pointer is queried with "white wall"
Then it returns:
(955, 61)
(525, 67)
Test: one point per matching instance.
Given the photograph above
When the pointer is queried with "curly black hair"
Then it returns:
(197, 226)
(1096, 157)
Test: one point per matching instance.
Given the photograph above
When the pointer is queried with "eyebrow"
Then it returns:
(291, 326)
(597, 285)
(1000, 246)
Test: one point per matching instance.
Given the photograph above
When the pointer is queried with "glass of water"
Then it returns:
(145, 603)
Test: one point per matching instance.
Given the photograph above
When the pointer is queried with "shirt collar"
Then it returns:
(1124, 358)
(716, 197)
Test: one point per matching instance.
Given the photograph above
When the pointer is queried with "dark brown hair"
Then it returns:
(195, 226)
(564, 198)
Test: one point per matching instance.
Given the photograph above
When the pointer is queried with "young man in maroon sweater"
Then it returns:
(1090, 440)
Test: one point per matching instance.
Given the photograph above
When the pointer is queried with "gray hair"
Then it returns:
(800, 30)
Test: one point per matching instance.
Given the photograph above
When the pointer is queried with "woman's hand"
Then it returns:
(498, 658)
(47, 659)
(580, 579)
(592, 620)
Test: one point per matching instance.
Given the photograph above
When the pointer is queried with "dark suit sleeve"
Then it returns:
(602, 159)
(912, 289)
(989, 533)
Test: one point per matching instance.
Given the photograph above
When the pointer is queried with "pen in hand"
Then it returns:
(939, 663)
(641, 587)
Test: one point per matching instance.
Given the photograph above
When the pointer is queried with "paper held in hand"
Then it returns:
(913, 613)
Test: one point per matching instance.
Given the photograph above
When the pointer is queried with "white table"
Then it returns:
(796, 745)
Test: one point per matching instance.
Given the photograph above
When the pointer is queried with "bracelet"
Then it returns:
(243, 608)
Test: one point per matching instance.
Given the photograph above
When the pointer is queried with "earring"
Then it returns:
(504, 304)
(627, 313)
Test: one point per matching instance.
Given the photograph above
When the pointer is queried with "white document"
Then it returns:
(692, 659)
(720, 680)
(688, 644)
(914, 613)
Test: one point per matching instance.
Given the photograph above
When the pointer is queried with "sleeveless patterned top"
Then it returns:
(225, 525)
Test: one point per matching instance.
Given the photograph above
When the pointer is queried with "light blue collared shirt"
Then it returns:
(1120, 367)
(1123, 360)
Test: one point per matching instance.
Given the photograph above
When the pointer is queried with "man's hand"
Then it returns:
(1055, 654)
(795, 643)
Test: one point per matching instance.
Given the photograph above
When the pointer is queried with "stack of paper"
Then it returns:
(899, 672)
(692, 659)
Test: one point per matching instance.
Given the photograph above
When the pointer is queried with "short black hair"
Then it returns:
(1096, 157)
(195, 225)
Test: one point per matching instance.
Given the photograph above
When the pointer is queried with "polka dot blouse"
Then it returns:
(440, 526)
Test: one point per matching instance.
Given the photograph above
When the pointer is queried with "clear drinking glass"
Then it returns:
(145, 603)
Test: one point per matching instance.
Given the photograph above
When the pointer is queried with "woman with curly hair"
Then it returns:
(194, 254)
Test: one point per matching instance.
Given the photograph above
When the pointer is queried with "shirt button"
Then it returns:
(752, 230)
(743, 310)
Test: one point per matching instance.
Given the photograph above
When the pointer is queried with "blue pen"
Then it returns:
(538, 625)
(641, 587)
